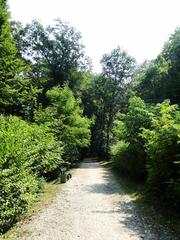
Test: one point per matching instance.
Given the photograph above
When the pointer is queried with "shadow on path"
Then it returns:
(131, 215)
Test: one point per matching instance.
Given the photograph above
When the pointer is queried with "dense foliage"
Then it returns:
(37, 139)
(26, 153)
(128, 130)
(146, 138)
(159, 79)
(56, 50)
(162, 144)
(15, 87)
(107, 94)
(65, 117)
(147, 145)
(53, 109)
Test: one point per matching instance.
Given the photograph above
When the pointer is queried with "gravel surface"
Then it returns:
(92, 206)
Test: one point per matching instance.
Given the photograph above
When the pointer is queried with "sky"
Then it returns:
(141, 27)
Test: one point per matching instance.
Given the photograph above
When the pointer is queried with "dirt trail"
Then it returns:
(92, 206)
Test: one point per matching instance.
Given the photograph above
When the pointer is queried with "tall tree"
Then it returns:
(117, 71)
(171, 53)
(107, 94)
(56, 50)
(14, 85)
(160, 78)
(152, 80)
(65, 117)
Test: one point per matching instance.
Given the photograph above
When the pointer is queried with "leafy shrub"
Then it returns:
(26, 152)
(45, 151)
(119, 157)
(32, 146)
(131, 154)
(126, 162)
(147, 144)
(18, 191)
(30, 151)
(66, 120)
(162, 147)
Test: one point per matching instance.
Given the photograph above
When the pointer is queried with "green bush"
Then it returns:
(131, 154)
(27, 152)
(45, 151)
(18, 190)
(126, 161)
(147, 143)
(65, 118)
(119, 157)
(162, 147)
(32, 146)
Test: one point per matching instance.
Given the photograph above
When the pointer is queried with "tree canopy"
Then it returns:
(56, 50)
(15, 86)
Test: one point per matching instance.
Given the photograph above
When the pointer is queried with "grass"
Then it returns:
(44, 199)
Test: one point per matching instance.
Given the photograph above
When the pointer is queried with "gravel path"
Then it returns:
(92, 206)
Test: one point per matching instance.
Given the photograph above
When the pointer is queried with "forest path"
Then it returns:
(92, 206)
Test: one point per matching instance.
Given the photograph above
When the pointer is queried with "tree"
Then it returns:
(15, 88)
(105, 95)
(171, 53)
(55, 50)
(117, 71)
(162, 147)
(66, 120)
(152, 80)
(160, 78)
(128, 151)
